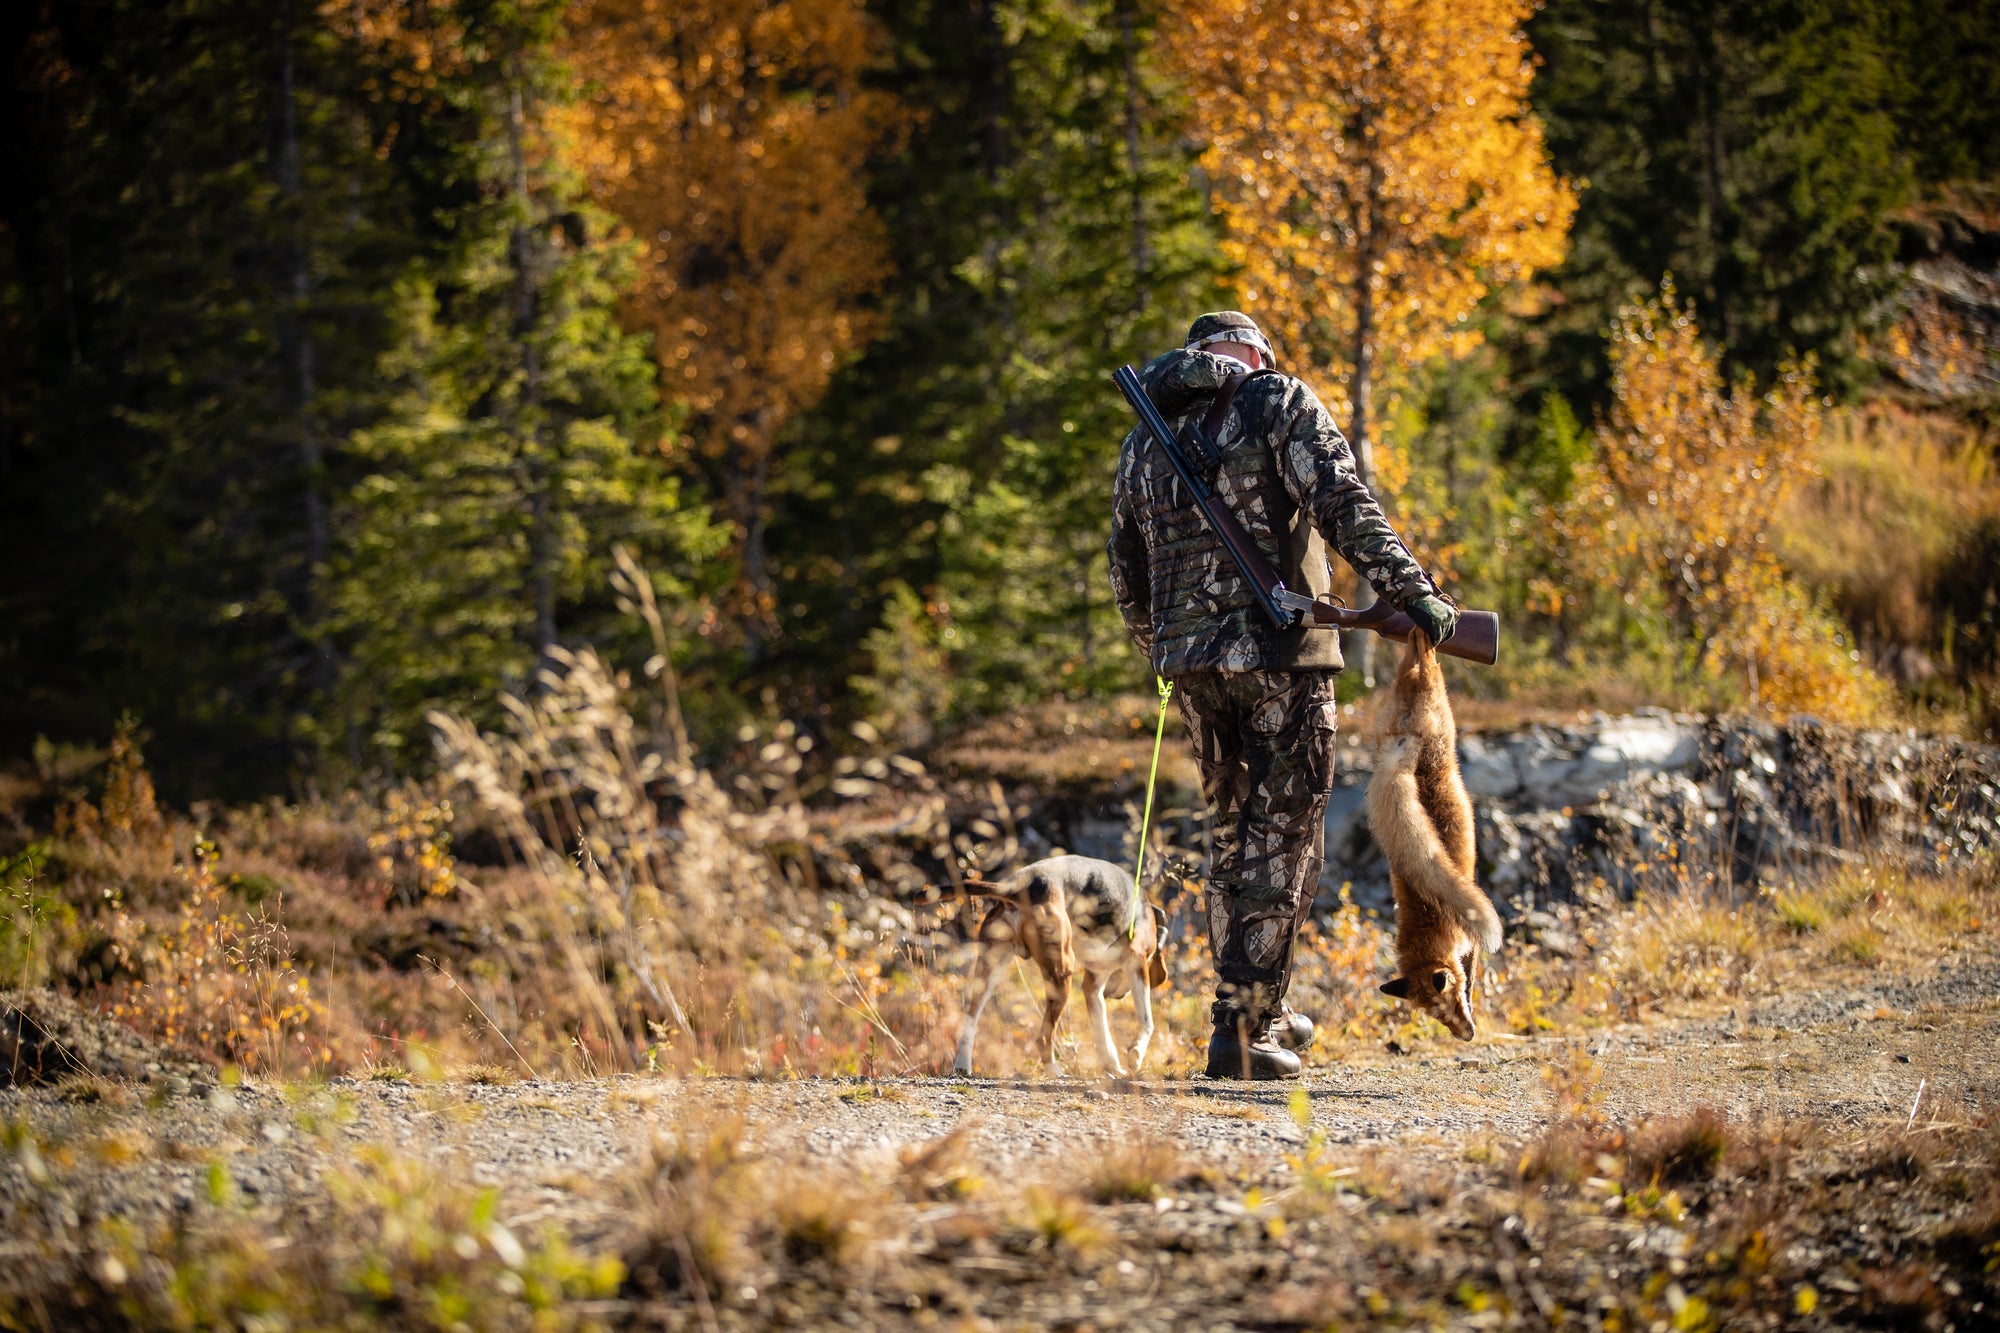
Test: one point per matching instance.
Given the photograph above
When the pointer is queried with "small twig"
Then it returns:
(482, 1014)
(1913, 1105)
(697, 1281)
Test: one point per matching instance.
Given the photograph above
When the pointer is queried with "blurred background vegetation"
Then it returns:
(343, 344)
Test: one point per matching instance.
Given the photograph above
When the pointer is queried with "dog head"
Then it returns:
(1444, 985)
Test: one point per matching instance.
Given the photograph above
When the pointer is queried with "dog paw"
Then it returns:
(962, 1065)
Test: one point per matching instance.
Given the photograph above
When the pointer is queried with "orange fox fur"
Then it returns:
(1422, 819)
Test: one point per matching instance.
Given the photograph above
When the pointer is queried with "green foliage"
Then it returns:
(36, 925)
(483, 528)
(1750, 150)
(323, 404)
(1044, 232)
(196, 249)
(1947, 95)
(1555, 451)
(518, 445)
(402, 1248)
(908, 692)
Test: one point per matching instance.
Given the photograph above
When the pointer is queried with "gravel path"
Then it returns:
(1854, 1054)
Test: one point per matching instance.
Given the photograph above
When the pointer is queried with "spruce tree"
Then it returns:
(523, 442)
(1046, 229)
(1748, 149)
(198, 266)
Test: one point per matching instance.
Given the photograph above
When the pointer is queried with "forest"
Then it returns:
(344, 346)
(553, 555)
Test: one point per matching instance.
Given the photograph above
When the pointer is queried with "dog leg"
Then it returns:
(1142, 1000)
(1052, 1011)
(1100, 1023)
(992, 961)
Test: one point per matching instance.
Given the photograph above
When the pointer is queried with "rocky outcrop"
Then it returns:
(1944, 345)
(47, 1036)
(1598, 810)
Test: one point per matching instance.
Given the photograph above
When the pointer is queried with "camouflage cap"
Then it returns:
(1228, 326)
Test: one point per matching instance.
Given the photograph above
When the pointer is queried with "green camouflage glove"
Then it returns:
(1434, 616)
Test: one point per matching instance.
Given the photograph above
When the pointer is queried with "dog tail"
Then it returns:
(986, 888)
(1414, 850)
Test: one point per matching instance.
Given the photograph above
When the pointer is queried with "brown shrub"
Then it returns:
(1678, 1148)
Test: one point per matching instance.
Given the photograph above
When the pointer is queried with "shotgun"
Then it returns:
(1475, 639)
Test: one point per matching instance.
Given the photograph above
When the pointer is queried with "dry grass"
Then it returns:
(1133, 1169)
(1677, 1149)
(1701, 1219)
(390, 1245)
(1692, 948)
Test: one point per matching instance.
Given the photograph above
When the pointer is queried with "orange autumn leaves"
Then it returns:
(1378, 171)
(732, 139)
(1672, 514)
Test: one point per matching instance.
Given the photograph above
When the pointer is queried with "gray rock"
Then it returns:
(1577, 813)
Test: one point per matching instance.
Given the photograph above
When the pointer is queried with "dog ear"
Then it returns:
(1398, 987)
(1156, 966)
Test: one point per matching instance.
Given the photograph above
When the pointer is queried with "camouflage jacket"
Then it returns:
(1287, 474)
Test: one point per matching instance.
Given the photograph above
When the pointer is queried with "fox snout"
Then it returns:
(1444, 991)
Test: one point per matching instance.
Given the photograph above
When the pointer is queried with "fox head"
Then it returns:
(1444, 986)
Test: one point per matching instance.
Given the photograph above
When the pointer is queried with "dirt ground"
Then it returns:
(1846, 1177)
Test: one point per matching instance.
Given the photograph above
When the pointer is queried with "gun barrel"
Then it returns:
(1475, 639)
(1249, 561)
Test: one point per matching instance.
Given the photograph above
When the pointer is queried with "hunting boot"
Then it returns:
(1291, 1029)
(1241, 1047)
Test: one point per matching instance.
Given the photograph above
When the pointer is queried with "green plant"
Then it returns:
(1059, 1219)
(36, 925)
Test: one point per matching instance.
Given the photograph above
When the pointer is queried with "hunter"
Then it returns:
(1258, 702)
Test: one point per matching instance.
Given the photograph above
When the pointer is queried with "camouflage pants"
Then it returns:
(1264, 741)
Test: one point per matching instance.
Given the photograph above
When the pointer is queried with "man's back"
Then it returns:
(1287, 475)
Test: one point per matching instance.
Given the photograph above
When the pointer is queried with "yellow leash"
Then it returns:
(1166, 688)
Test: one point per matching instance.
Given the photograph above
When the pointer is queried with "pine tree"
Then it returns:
(524, 442)
(199, 265)
(1749, 150)
(1045, 231)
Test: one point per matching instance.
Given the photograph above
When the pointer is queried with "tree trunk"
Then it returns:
(1141, 258)
(297, 334)
(521, 249)
(1361, 643)
(753, 475)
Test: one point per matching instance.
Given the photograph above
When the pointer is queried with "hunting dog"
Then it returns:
(1070, 913)
(1421, 817)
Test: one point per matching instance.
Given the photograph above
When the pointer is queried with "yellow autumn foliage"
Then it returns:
(1676, 512)
(1378, 173)
(731, 139)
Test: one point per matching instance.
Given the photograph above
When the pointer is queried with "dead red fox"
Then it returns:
(1422, 819)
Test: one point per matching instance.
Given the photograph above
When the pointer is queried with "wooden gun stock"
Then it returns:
(1476, 638)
